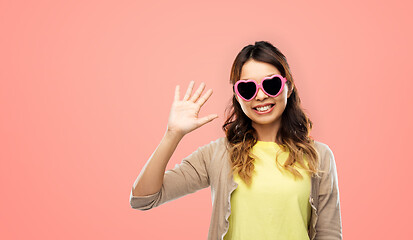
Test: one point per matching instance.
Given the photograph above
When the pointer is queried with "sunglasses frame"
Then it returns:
(259, 86)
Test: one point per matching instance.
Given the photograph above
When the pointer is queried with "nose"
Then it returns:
(260, 95)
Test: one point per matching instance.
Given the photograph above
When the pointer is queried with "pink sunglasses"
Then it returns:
(248, 89)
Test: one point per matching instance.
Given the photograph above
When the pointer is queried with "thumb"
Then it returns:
(204, 120)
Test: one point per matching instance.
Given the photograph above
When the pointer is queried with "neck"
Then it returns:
(267, 132)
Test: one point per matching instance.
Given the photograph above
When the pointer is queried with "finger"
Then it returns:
(189, 91)
(204, 98)
(176, 98)
(207, 119)
(198, 92)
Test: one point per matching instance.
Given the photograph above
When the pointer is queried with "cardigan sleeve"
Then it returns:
(329, 224)
(187, 177)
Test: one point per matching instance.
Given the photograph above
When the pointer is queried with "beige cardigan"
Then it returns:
(209, 165)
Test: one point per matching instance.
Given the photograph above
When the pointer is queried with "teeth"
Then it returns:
(261, 109)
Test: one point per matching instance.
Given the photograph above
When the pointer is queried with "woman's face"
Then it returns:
(258, 70)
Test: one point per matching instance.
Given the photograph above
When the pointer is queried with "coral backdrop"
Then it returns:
(86, 88)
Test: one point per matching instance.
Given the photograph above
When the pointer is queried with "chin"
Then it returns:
(264, 122)
(269, 120)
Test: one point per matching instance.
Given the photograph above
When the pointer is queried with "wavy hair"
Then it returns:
(295, 128)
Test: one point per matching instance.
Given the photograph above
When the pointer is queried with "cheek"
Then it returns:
(282, 98)
(244, 107)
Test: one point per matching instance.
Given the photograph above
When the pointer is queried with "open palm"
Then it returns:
(183, 117)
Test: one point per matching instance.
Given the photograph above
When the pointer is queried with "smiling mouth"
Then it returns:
(265, 108)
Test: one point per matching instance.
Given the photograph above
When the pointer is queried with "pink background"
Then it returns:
(86, 88)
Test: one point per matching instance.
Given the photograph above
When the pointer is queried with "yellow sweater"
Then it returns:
(275, 206)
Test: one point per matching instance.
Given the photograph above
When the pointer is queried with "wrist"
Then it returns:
(174, 134)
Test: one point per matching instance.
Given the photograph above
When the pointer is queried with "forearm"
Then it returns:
(151, 176)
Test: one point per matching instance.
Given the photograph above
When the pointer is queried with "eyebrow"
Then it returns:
(265, 76)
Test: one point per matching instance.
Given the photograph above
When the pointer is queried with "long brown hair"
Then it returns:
(295, 128)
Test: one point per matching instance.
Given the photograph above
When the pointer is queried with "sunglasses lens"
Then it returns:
(272, 86)
(246, 89)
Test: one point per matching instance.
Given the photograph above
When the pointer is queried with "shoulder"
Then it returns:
(321, 147)
(213, 154)
(326, 155)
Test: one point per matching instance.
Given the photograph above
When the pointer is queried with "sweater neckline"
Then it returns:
(264, 142)
(267, 144)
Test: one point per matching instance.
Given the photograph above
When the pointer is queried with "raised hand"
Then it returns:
(183, 117)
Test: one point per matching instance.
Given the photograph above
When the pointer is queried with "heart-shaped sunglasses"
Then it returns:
(248, 89)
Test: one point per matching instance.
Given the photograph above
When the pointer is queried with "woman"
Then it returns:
(269, 179)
